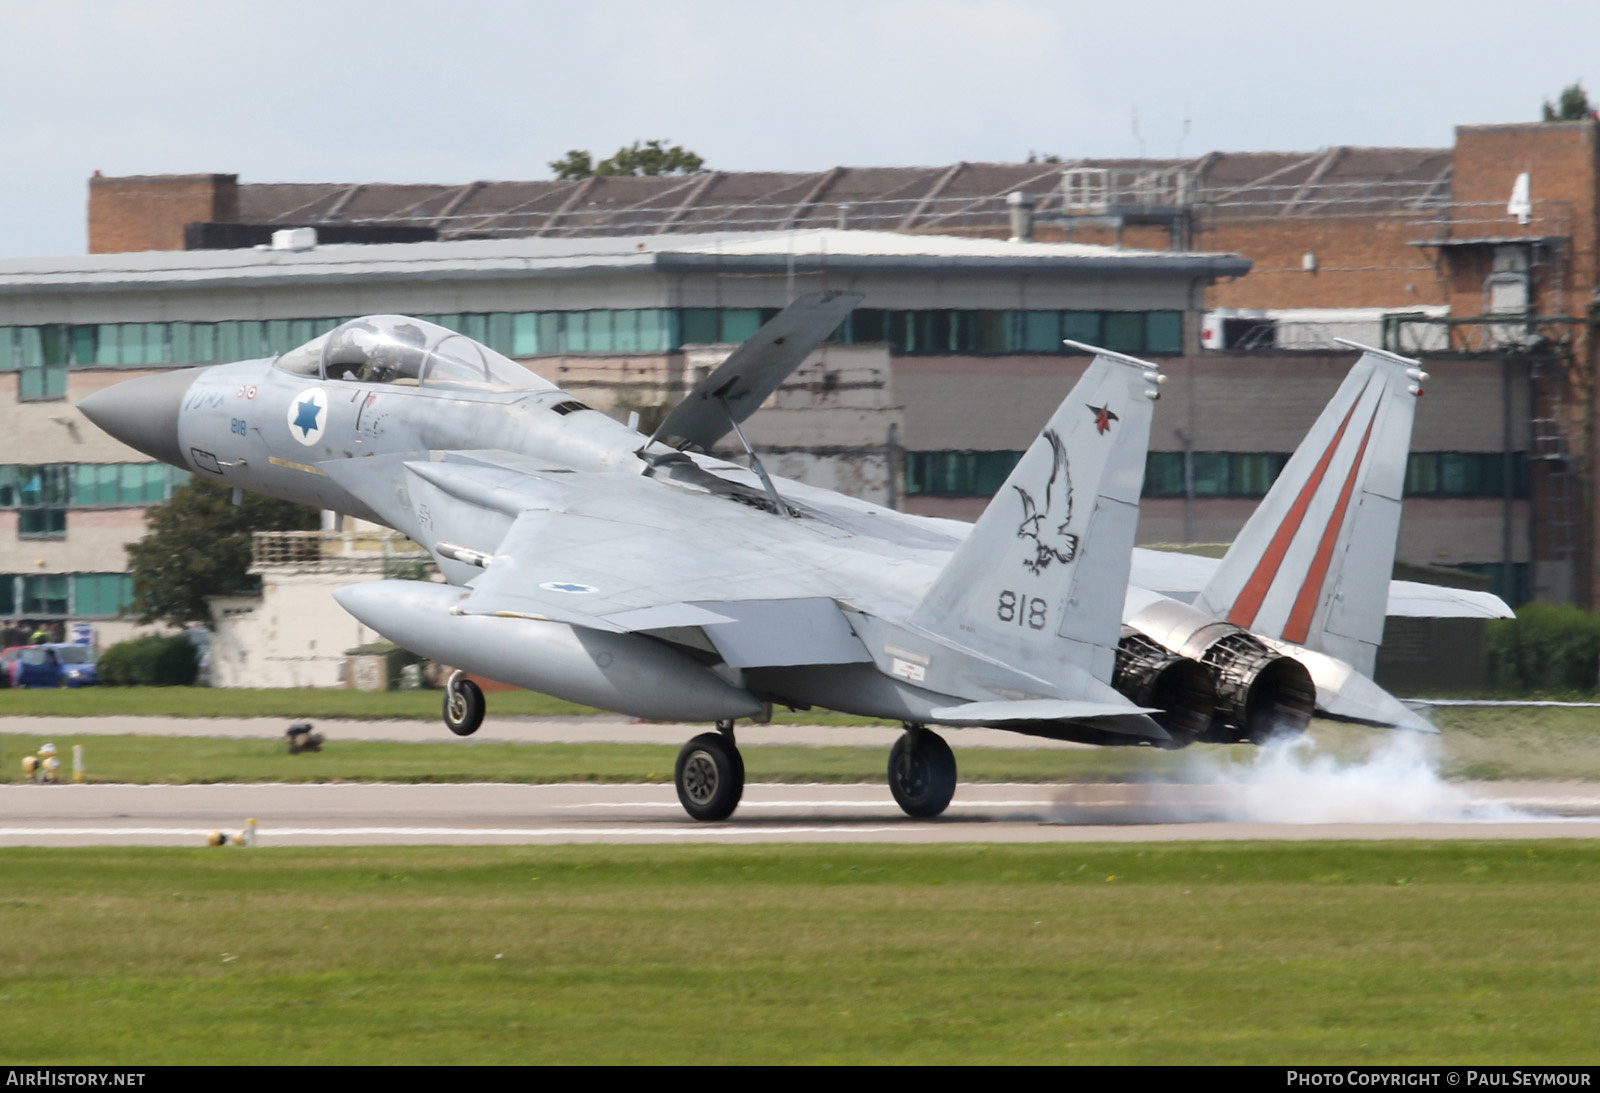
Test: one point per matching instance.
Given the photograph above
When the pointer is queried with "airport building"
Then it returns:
(1234, 271)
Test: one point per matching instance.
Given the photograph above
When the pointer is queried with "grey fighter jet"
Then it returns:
(590, 562)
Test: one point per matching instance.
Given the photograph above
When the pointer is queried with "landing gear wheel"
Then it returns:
(922, 773)
(709, 776)
(463, 706)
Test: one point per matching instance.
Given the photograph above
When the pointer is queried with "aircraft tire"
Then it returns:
(709, 777)
(463, 707)
(922, 773)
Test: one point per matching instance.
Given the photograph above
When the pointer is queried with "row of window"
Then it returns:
(64, 595)
(1511, 583)
(43, 492)
(1220, 474)
(43, 353)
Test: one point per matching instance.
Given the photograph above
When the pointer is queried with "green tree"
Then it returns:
(1573, 105)
(651, 158)
(198, 545)
(575, 164)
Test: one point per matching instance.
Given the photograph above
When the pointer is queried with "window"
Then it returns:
(1465, 474)
(1041, 332)
(91, 595)
(45, 594)
(44, 492)
(957, 474)
(101, 594)
(1163, 474)
(1216, 474)
(45, 353)
(1163, 332)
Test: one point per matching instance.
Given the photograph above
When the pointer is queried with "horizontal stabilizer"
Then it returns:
(1432, 601)
(1346, 695)
(756, 369)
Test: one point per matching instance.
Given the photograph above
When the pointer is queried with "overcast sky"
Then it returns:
(414, 91)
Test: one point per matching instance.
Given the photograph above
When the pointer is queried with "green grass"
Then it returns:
(1266, 953)
(1475, 744)
(287, 702)
(176, 759)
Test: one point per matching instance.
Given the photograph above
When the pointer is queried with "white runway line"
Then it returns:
(268, 833)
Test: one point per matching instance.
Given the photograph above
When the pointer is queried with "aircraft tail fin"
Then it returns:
(1312, 565)
(1039, 583)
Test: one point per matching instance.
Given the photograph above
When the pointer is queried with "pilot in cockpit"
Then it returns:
(398, 356)
(368, 353)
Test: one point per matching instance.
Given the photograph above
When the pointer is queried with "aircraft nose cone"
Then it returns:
(143, 412)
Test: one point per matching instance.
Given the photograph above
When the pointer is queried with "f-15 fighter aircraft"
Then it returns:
(591, 562)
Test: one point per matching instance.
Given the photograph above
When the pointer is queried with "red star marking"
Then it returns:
(1103, 417)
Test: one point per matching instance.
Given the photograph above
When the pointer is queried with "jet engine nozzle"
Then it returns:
(1158, 678)
(1259, 693)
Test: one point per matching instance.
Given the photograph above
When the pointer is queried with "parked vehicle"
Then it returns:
(8, 659)
(55, 665)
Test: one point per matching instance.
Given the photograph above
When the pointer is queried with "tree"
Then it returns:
(1573, 105)
(198, 545)
(574, 165)
(651, 158)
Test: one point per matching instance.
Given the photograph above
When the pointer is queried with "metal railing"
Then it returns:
(1469, 221)
(386, 552)
(1487, 336)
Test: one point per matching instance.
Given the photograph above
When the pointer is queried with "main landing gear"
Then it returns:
(709, 774)
(463, 705)
(922, 773)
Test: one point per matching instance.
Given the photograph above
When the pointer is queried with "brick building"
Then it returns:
(1416, 248)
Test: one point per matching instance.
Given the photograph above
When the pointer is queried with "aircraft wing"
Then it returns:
(756, 369)
(1182, 576)
(624, 553)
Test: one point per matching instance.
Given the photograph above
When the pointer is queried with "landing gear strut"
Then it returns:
(463, 705)
(709, 774)
(922, 773)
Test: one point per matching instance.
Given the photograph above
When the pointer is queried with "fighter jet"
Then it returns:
(591, 562)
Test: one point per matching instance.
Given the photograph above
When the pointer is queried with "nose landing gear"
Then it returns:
(463, 705)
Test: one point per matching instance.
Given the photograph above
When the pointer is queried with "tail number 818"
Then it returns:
(1029, 611)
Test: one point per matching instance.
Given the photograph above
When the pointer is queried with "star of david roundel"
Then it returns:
(308, 415)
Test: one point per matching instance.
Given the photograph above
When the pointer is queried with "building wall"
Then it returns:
(293, 635)
(148, 212)
(1232, 403)
(1361, 261)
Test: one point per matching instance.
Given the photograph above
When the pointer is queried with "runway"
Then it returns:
(364, 814)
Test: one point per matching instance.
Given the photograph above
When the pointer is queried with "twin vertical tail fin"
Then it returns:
(1041, 580)
(1312, 565)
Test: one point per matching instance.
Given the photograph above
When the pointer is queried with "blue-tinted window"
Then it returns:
(1163, 332)
(1082, 326)
(525, 334)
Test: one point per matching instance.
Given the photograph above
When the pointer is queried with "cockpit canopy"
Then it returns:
(408, 352)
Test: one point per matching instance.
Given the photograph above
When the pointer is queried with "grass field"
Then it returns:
(1201, 953)
(1475, 744)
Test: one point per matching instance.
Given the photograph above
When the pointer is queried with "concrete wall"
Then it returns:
(293, 635)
